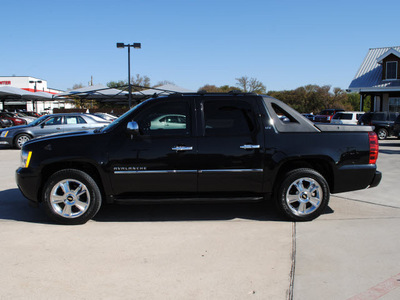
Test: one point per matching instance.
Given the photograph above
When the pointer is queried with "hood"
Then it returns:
(59, 136)
(15, 127)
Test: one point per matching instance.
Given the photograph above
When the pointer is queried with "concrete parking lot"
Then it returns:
(224, 251)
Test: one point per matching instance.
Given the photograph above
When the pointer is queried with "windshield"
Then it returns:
(38, 121)
(122, 118)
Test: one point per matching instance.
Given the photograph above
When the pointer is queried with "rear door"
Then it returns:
(230, 146)
(74, 123)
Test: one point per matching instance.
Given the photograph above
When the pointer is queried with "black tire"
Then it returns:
(303, 195)
(382, 133)
(71, 197)
(21, 139)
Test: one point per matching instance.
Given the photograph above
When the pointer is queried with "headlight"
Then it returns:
(25, 158)
(4, 134)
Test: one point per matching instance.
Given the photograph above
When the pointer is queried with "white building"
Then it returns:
(32, 84)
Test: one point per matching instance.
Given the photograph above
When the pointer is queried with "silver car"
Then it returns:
(57, 123)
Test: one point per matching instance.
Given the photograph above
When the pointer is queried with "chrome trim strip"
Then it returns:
(155, 172)
(190, 171)
(231, 170)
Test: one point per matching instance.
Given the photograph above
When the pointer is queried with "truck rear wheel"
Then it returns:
(71, 197)
(303, 194)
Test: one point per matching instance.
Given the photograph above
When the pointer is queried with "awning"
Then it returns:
(11, 93)
(95, 92)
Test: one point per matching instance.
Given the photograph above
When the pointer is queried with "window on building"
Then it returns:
(391, 70)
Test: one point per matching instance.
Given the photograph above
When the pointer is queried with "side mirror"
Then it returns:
(42, 125)
(133, 128)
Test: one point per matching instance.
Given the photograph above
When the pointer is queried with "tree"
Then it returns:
(76, 86)
(214, 89)
(251, 85)
(163, 82)
(138, 80)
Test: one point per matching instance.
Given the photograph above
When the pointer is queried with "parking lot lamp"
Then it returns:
(136, 46)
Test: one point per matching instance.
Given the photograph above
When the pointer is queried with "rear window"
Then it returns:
(343, 116)
(379, 117)
(327, 112)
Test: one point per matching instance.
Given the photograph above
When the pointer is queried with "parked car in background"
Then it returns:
(326, 115)
(15, 120)
(309, 116)
(27, 118)
(5, 122)
(347, 117)
(31, 114)
(49, 124)
(106, 116)
(396, 127)
(382, 121)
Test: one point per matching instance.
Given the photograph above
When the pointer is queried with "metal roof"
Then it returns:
(369, 76)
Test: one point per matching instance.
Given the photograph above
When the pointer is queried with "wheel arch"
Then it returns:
(321, 165)
(17, 134)
(86, 167)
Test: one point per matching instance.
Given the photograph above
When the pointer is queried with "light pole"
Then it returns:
(35, 82)
(136, 46)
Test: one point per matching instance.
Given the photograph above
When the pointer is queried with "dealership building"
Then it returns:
(43, 104)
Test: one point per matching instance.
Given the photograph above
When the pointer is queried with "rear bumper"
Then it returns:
(377, 179)
(356, 177)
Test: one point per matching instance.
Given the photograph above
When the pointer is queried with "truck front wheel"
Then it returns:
(71, 197)
(303, 194)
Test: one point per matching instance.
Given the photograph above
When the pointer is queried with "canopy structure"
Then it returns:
(165, 89)
(12, 94)
(102, 93)
(95, 92)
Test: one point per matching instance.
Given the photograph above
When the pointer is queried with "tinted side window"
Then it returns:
(74, 120)
(54, 121)
(228, 118)
(165, 118)
(392, 116)
(379, 117)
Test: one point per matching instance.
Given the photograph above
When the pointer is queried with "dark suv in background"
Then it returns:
(396, 127)
(382, 121)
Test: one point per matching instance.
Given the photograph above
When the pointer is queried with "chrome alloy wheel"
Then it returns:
(21, 140)
(70, 198)
(304, 196)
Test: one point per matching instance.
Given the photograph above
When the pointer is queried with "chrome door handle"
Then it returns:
(249, 147)
(182, 148)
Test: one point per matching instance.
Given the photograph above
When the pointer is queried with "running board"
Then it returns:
(182, 200)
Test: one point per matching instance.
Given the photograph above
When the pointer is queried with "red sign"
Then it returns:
(5, 82)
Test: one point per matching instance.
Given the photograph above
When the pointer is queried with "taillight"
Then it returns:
(373, 147)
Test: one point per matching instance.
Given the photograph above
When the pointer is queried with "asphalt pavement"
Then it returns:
(205, 251)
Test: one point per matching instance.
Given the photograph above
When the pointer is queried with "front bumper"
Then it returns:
(6, 141)
(29, 183)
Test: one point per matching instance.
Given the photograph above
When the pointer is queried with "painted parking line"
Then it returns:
(380, 289)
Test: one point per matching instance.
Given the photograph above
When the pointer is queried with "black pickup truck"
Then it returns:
(203, 147)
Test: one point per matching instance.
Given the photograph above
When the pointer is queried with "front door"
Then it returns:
(161, 159)
(230, 150)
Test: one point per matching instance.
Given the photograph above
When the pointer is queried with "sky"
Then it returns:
(283, 44)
